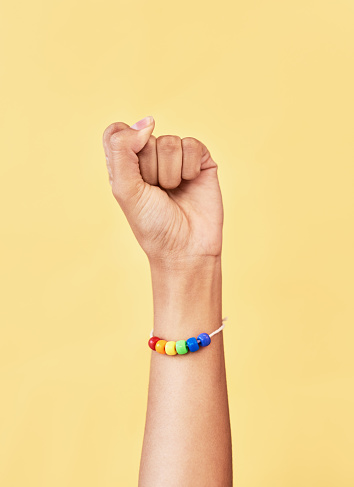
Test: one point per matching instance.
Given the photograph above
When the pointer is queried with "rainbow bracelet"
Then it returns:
(181, 347)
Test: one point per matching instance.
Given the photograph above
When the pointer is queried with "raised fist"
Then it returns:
(168, 189)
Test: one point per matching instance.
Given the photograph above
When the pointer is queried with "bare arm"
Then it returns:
(187, 438)
(178, 223)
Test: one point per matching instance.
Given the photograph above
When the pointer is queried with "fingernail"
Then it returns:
(145, 122)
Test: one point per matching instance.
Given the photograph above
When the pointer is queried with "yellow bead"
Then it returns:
(160, 346)
(170, 348)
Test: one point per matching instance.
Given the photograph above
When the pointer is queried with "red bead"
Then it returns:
(152, 342)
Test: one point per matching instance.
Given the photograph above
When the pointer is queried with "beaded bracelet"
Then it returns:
(181, 347)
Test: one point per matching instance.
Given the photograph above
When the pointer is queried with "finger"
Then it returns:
(124, 145)
(148, 162)
(110, 130)
(169, 161)
(192, 158)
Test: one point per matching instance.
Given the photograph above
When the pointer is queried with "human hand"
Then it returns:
(168, 189)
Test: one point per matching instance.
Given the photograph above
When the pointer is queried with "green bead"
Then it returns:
(181, 347)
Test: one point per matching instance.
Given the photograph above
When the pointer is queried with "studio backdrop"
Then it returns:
(268, 87)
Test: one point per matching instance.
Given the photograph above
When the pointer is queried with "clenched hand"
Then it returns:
(168, 189)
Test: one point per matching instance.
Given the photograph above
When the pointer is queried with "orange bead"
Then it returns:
(160, 346)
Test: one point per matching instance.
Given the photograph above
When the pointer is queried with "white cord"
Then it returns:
(211, 334)
(219, 329)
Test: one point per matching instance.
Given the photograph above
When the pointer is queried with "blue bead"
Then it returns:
(192, 344)
(204, 339)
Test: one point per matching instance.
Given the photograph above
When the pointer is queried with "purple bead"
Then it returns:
(204, 339)
(192, 344)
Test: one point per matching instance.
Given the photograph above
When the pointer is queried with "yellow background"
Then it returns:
(268, 86)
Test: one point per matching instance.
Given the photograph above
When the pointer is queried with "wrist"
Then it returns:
(187, 297)
(184, 264)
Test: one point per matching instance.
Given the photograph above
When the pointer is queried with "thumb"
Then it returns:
(124, 146)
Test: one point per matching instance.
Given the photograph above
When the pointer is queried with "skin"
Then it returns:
(169, 191)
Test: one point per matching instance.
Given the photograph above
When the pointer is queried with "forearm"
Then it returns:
(187, 440)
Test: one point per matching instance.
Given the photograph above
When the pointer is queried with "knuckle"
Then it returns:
(113, 139)
(168, 142)
(190, 144)
(116, 141)
(113, 134)
(108, 131)
(113, 127)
